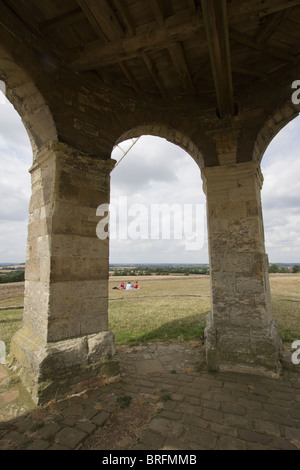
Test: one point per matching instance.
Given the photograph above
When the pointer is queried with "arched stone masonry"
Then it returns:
(241, 334)
(65, 336)
(73, 121)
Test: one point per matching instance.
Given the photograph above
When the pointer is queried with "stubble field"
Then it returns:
(164, 308)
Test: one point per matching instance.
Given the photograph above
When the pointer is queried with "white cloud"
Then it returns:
(12, 130)
(15, 188)
(13, 241)
(281, 195)
(169, 177)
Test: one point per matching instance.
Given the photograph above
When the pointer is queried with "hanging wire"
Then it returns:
(134, 141)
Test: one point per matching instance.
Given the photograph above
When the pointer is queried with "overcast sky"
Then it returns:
(153, 173)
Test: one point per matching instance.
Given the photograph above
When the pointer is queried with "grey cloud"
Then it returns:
(279, 203)
(135, 174)
(153, 161)
(14, 207)
(12, 129)
(13, 241)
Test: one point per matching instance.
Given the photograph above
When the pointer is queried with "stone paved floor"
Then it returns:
(197, 409)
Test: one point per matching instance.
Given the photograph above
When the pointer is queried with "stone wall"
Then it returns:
(66, 294)
(241, 332)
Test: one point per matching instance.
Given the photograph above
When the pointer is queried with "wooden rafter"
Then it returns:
(178, 58)
(19, 12)
(158, 11)
(103, 15)
(62, 20)
(95, 54)
(248, 41)
(92, 19)
(130, 77)
(121, 7)
(249, 73)
(106, 24)
(239, 11)
(154, 73)
(196, 39)
(272, 23)
(192, 7)
(176, 52)
(216, 25)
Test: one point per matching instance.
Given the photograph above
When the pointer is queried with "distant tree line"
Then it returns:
(160, 271)
(12, 277)
(274, 268)
(184, 270)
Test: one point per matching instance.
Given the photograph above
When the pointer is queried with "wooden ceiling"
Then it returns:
(191, 50)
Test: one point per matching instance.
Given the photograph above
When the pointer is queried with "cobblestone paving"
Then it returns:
(198, 409)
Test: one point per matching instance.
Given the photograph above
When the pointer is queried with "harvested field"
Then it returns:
(166, 307)
(11, 290)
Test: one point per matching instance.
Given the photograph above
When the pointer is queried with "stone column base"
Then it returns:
(49, 370)
(243, 350)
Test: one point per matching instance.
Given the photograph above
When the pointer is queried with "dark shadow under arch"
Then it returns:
(28, 101)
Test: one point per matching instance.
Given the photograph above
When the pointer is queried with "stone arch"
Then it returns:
(170, 134)
(166, 138)
(165, 142)
(279, 168)
(28, 101)
(272, 126)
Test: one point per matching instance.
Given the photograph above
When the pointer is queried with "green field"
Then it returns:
(162, 309)
(167, 308)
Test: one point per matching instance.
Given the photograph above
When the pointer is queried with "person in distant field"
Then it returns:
(136, 285)
(122, 285)
(128, 287)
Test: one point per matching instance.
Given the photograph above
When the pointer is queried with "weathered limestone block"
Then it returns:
(51, 369)
(241, 333)
(65, 335)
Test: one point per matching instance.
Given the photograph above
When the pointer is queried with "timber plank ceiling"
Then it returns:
(203, 50)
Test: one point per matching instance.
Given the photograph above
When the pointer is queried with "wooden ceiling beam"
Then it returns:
(243, 10)
(248, 41)
(95, 54)
(105, 23)
(154, 73)
(176, 52)
(158, 11)
(192, 7)
(216, 25)
(250, 73)
(178, 58)
(19, 11)
(121, 7)
(63, 20)
(92, 20)
(272, 23)
(125, 69)
(102, 15)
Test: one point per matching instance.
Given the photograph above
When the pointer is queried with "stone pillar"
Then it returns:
(241, 334)
(65, 336)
